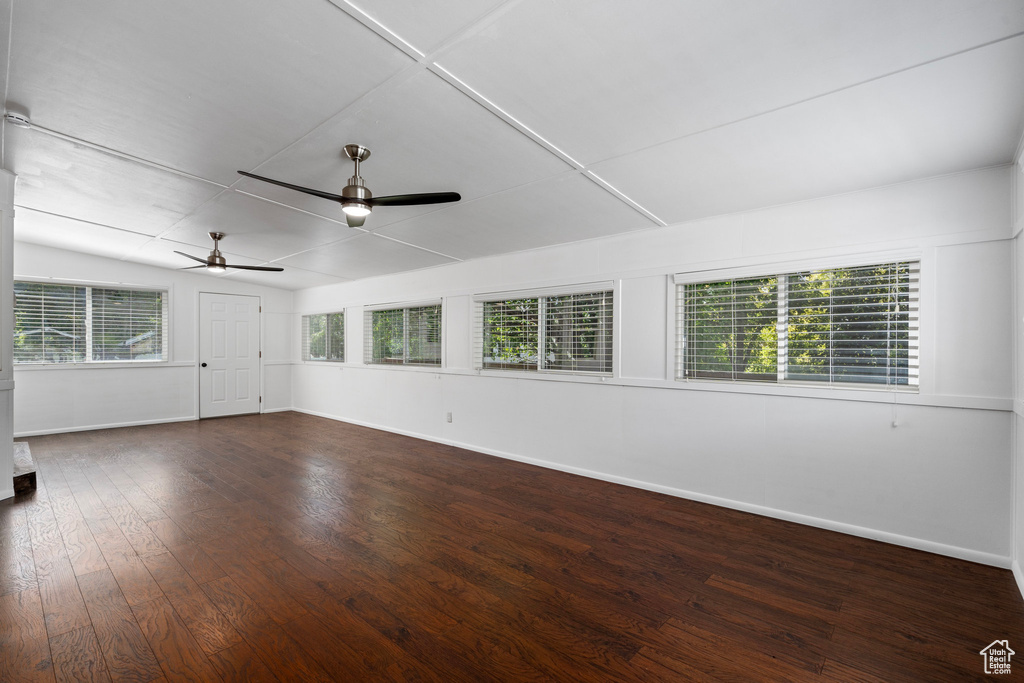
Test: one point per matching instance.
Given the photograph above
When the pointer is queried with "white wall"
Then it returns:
(940, 479)
(6, 342)
(58, 398)
(1018, 374)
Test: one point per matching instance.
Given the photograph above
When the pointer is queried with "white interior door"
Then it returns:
(229, 354)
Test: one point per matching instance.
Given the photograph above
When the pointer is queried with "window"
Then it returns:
(403, 336)
(57, 323)
(559, 332)
(841, 325)
(323, 337)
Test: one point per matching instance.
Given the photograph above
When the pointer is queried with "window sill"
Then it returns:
(540, 374)
(796, 384)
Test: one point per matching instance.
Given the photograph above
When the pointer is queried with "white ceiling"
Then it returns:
(556, 122)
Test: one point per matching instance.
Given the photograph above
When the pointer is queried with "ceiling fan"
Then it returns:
(356, 200)
(215, 262)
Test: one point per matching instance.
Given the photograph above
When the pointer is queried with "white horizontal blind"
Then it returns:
(323, 337)
(127, 324)
(510, 334)
(336, 336)
(840, 325)
(311, 325)
(403, 336)
(854, 324)
(384, 336)
(565, 331)
(578, 333)
(56, 323)
(49, 323)
(423, 335)
(730, 329)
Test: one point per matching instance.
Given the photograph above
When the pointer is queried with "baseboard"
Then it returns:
(139, 423)
(278, 410)
(864, 532)
(90, 428)
(7, 493)
(1018, 575)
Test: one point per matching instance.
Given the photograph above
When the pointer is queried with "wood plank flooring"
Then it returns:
(293, 548)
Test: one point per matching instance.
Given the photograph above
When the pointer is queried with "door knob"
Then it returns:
(203, 365)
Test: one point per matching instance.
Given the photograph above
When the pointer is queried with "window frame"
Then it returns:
(543, 297)
(327, 337)
(166, 324)
(405, 361)
(781, 272)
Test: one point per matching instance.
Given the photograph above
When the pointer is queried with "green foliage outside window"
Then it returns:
(850, 324)
(510, 334)
(389, 336)
(841, 325)
(405, 336)
(325, 336)
(578, 332)
(731, 329)
(424, 335)
(567, 333)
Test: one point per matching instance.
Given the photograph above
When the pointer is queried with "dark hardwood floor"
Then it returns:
(290, 547)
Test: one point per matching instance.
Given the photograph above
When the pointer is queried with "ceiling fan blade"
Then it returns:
(315, 193)
(415, 199)
(192, 267)
(355, 221)
(271, 268)
(194, 258)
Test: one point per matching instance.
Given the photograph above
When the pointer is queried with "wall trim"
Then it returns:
(1001, 561)
(1018, 574)
(112, 365)
(8, 493)
(113, 425)
(789, 390)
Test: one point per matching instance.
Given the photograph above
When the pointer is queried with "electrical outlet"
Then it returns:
(448, 416)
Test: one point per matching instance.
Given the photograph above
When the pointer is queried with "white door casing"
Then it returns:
(229, 354)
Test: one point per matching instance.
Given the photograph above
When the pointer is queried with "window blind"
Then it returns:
(49, 323)
(563, 332)
(578, 333)
(510, 334)
(57, 323)
(403, 336)
(730, 329)
(854, 325)
(423, 335)
(323, 337)
(127, 324)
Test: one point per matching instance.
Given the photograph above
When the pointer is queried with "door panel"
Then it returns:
(229, 341)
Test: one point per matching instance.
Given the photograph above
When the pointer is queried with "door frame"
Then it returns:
(198, 340)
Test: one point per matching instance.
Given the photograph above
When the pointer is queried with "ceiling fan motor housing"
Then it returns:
(356, 190)
(216, 259)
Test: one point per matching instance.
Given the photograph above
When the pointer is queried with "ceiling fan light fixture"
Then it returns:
(357, 209)
(216, 268)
